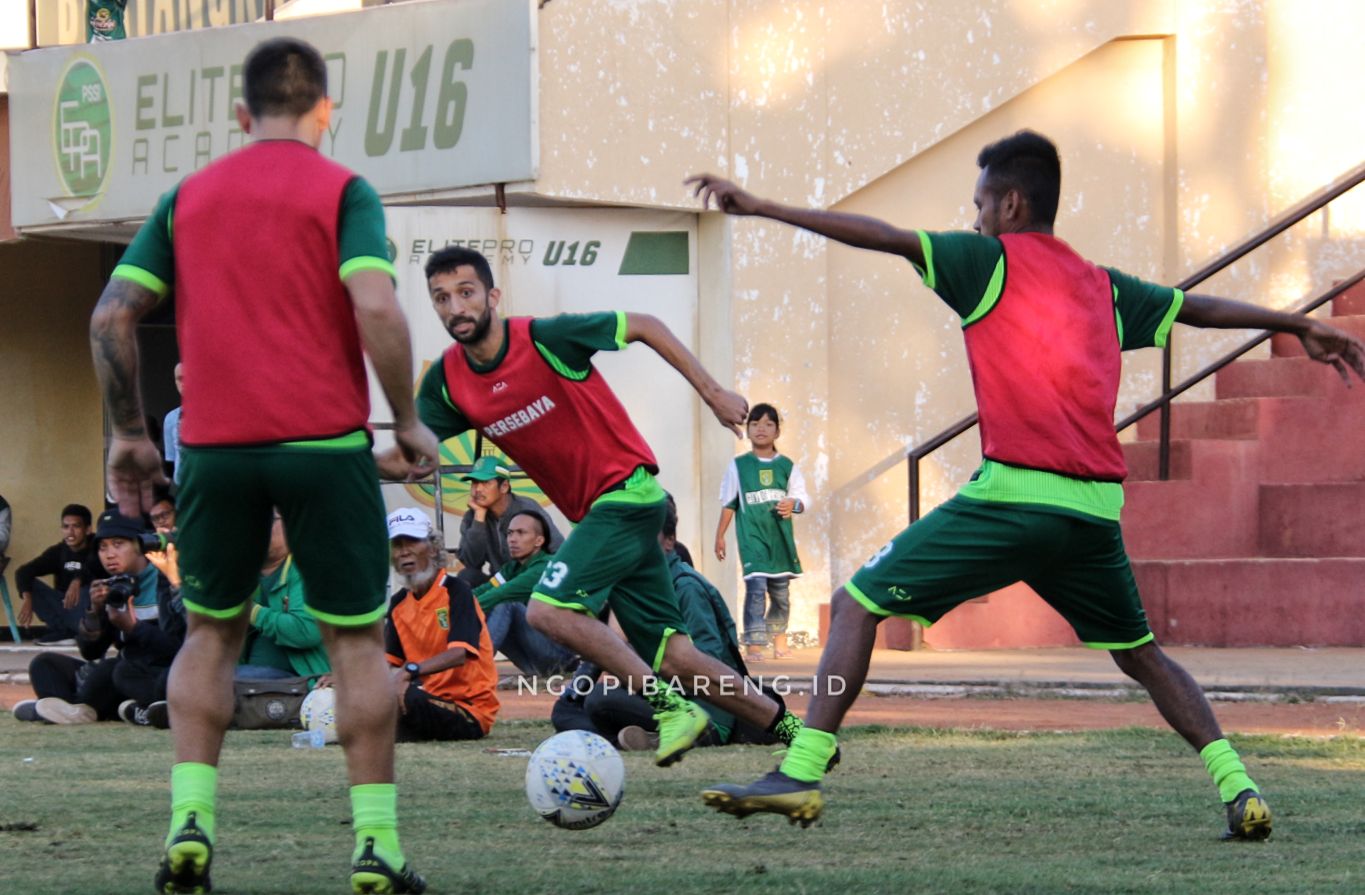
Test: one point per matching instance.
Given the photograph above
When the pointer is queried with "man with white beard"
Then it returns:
(436, 640)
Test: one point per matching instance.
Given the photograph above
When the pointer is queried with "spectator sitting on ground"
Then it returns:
(139, 613)
(72, 565)
(436, 639)
(503, 600)
(6, 521)
(483, 530)
(626, 718)
(283, 639)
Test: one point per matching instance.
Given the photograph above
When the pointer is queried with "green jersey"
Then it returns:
(514, 582)
(753, 487)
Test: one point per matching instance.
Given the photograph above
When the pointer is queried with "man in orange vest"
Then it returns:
(436, 641)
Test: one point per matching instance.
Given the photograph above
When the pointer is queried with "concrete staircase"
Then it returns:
(1258, 538)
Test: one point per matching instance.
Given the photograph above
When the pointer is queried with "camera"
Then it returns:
(156, 540)
(121, 590)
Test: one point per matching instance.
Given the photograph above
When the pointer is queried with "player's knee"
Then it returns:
(541, 616)
(672, 663)
(1139, 662)
(843, 607)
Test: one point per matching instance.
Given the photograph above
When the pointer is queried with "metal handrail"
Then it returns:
(1313, 203)
(1234, 354)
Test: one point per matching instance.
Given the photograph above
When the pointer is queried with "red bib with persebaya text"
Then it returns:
(571, 436)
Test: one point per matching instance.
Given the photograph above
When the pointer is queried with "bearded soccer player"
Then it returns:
(279, 263)
(529, 385)
(1044, 330)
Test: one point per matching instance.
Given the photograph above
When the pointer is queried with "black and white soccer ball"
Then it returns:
(575, 780)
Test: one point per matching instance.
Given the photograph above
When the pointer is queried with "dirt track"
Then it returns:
(1302, 719)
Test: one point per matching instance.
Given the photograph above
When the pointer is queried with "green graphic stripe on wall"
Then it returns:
(655, 253)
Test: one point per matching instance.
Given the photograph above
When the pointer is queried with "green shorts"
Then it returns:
(613, 556)
(333, 517)
(967, 548)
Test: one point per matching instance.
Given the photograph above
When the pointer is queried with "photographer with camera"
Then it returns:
(138, 612)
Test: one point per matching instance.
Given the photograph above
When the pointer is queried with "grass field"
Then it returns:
(83, 811)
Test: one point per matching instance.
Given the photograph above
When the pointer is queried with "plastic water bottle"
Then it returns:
(309, 739)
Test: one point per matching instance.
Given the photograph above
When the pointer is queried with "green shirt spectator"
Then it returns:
(284, 639)
(514, 581)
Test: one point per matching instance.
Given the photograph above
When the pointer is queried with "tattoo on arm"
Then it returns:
(113, 344)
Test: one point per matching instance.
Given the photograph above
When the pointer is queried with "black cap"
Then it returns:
(113, 524)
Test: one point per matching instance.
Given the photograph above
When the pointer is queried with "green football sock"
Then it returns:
(374, 813)
(193, 788)
(1226, 769)
(809, 755)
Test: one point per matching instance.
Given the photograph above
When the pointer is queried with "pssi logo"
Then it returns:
(83, 129)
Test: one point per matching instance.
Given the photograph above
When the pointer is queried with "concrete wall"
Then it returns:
(1185, 125)
(54, 431)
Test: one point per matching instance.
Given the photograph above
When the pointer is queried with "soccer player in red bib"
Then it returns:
(278, 259)
(528, 384)
(1044, 330)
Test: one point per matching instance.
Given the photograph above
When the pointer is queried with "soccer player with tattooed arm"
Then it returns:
(282, 283)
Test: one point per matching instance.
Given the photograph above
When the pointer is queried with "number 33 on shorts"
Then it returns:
(554, 574)
(876, 557)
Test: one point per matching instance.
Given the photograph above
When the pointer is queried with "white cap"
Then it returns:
(409, 522)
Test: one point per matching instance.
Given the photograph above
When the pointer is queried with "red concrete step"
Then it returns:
(1255, 602)
(1011, 618)
(1193, 519)
(1326, 519)
(1232, 418)
(1144, 460)
(1302, 439)
(1350, 302)
(1217, 458)
(1306, 440)
(1285, 345)
(1281, 377)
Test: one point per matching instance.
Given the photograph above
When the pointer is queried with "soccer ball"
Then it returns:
(575, 780)
(319, 711)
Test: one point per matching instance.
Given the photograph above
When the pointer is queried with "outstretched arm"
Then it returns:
(729, 407)
(856, 230)
(1323, 343)
(134, 463)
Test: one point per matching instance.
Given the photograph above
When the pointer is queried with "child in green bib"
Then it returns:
(762, 490)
